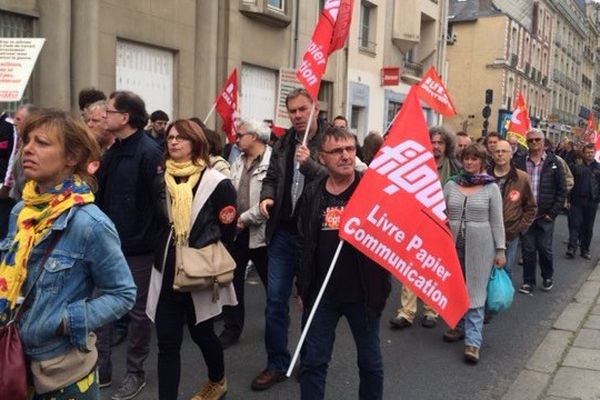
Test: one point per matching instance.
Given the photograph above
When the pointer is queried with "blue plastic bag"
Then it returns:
(500, 291)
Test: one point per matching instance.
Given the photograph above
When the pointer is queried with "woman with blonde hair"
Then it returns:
(201, 207)
(59, 250)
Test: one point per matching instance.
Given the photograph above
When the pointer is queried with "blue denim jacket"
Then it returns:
(87, 256)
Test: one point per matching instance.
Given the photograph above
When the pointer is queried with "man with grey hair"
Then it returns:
(548, 184)
(247, 174)
(94, 117)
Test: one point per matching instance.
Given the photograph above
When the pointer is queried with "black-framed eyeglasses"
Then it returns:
(115, 112)
(338, 151)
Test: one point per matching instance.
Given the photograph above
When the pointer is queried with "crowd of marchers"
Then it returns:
(95, 210)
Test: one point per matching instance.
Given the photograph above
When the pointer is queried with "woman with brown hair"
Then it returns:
(201, 207)
(474, 207)
(59, 250)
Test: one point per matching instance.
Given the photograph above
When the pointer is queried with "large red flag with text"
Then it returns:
(329, 35)
(226, 105)
(432, 91)
(397, 216)
(518, 125)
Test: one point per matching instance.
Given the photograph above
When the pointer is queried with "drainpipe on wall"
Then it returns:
(294, 55)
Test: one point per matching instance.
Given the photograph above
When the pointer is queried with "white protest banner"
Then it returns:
(17, 59)
(287, 83)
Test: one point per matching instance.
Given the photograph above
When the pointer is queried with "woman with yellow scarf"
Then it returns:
(201, 203)
(61, 247)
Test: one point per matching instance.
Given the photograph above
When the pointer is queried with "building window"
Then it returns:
(368, 27)
(513, 41)
(258, 92)
(147, 71)
(276, 4)
(325, 100)
(392, 110)
(271, 12)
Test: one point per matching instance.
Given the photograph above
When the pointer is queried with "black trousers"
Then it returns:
(582, 215)
(233, 316)
(174, 310)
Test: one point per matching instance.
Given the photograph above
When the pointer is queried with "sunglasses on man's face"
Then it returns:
(534, 140)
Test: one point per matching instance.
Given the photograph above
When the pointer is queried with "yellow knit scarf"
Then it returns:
(39, 211)
(181, 194)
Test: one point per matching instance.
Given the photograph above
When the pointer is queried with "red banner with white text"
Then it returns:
(329, 35)
(397, 216)
(432, 91)
(226, 105)
(518, 125)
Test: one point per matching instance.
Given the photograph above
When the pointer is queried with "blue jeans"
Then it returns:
(538, 241)
(318, 347)
(280, 278)
(512, 249)
(472, 324)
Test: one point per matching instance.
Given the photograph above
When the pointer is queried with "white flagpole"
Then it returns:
(295, 193)
(314, 310)
(310, 117)
(210, 112)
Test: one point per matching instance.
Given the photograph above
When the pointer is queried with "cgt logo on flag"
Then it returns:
(397, 218)
(405, 165)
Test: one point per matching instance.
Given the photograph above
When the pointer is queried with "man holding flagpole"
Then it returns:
(357, 289)
(292, 166)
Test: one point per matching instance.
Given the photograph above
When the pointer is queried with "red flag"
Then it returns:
(412, 240)
(226, 105)
(518, 125)
(432, 91)
(329, 35)
(590, 134)
(278, 130)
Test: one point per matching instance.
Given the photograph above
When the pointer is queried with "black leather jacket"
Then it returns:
(274, 183)
(375, 279)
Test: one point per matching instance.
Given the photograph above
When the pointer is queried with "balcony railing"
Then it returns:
(366, 45)
(413, 68)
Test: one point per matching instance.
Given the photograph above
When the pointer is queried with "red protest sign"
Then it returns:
(397, 217)
(432, 91)
(226, 105)
(518, 125)
(329, 35)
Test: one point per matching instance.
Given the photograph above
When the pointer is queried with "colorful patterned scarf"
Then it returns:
(464, 179)
(181, 194)
(39, 211)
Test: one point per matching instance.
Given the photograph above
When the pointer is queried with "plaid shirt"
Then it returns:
(534, 171)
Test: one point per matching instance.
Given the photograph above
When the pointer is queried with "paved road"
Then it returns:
(418, 364)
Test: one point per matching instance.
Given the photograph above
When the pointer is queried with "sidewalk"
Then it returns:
(566, 365)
